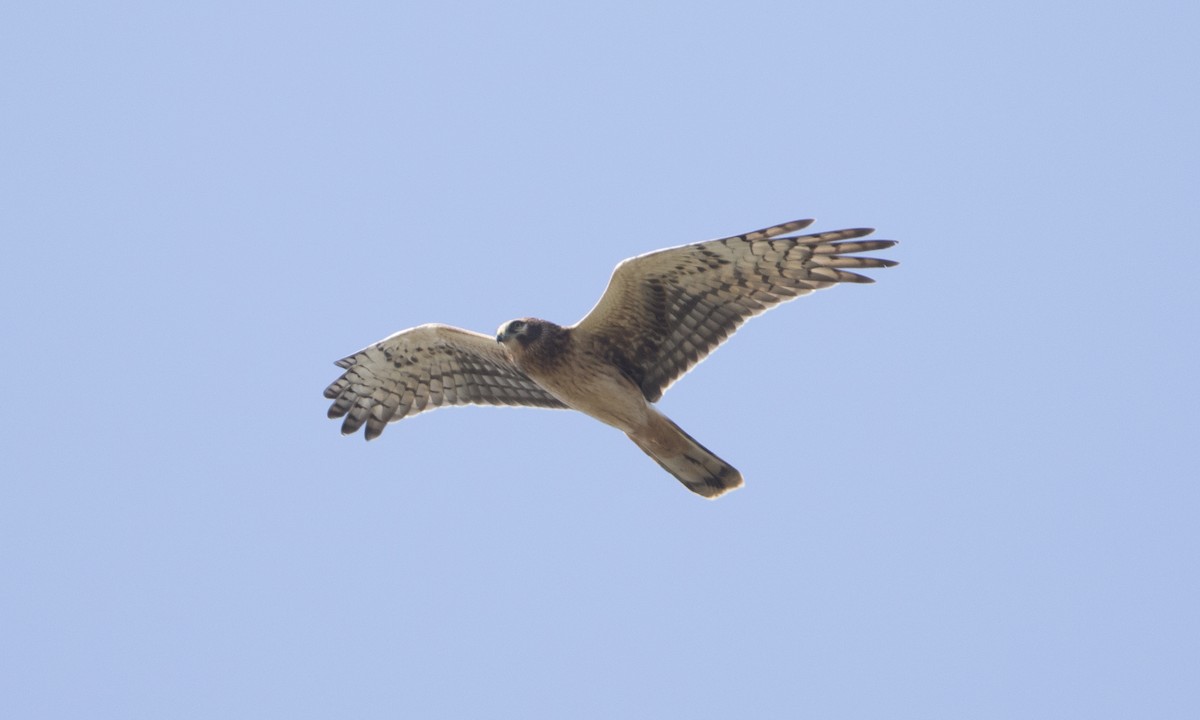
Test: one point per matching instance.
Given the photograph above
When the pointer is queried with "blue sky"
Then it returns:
(971, 488)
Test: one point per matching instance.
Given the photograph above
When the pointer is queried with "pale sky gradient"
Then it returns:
(971, 487)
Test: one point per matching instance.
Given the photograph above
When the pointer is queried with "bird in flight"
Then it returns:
(662, 313)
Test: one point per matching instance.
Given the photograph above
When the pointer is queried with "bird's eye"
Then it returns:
(515, 326)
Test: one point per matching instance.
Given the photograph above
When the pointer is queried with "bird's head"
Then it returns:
(524, 331)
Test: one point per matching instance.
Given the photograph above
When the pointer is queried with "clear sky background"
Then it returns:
(971, 487)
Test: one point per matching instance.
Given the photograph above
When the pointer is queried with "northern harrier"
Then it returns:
(662, 313)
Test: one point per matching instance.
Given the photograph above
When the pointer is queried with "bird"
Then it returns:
(661, 314)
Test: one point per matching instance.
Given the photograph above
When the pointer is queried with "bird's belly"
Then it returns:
(611, 400)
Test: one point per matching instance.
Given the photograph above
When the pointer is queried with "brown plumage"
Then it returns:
(662, 313)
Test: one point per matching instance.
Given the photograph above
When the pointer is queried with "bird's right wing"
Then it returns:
(664, 311)
(423, 368)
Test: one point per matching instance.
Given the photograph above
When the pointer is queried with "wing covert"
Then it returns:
(424, 368)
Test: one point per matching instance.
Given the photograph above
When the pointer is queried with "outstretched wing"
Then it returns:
(664, 311)
(423, 368)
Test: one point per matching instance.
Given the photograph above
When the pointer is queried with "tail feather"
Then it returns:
(691, 463)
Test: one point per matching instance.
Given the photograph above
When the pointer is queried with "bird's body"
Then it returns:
(595, 387)
(662, 313)
(598, 388)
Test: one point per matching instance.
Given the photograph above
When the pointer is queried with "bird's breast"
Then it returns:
(596, 388)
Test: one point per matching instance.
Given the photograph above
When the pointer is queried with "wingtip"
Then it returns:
(795, 225)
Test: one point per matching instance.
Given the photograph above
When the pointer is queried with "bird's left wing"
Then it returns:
(664, 311)
(423, 368)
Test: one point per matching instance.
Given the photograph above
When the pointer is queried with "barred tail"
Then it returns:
(691, 463)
